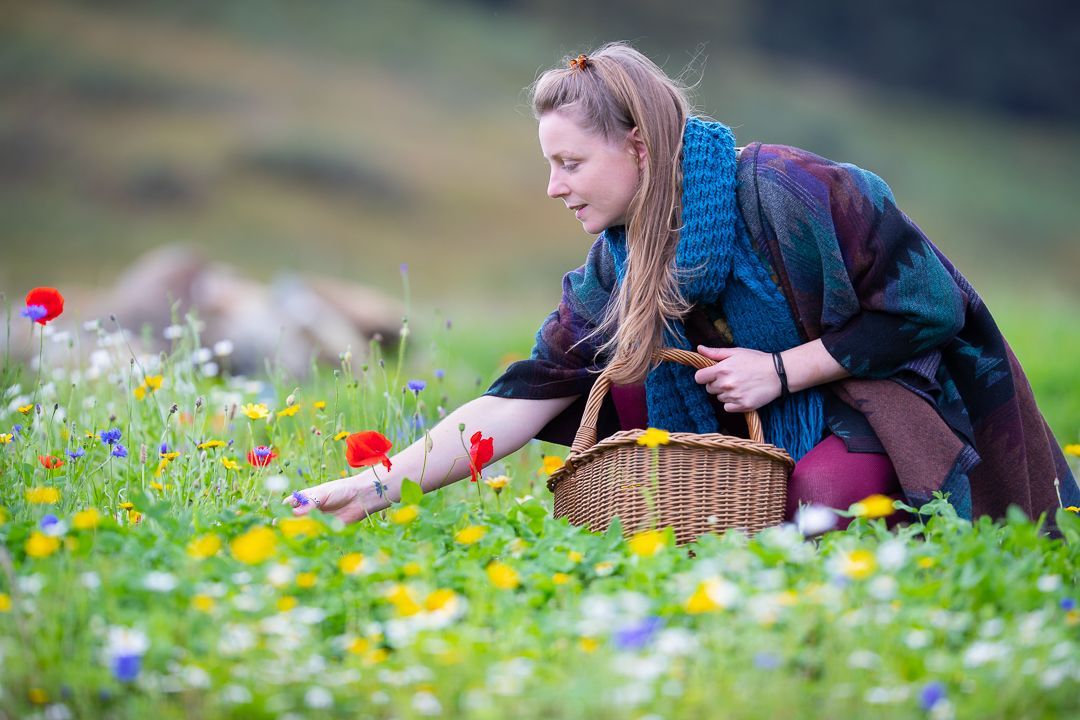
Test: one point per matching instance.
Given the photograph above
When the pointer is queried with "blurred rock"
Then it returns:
(285, 322)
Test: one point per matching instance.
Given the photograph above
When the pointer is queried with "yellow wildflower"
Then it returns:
(25, 409)
(926, 562)
(702, 601)
(140, 392)
(255, 411)
(37, 696)
(287, 603)
(230, 464)
(470, 534)
(647, 543)
(303, 525)
(1071, 449)
(254, 546)
(859, 564)
(403, 600)
(204, 546)
(560, 578)
(503, 576)
(411, 569)
(202, 603)
(40, 545)
(376, 656)
(170, 456)
(654, 437)
(588, 644)
(439, 599)
(306, 580)
(153, 382)
(497, 483)
(342, 435)
(319, 404)
(1072, 509)
(605, 568)
(552, 463)
(288, 411)
(1072, 617)
(874, 506)
(359, 646)
(159, 487)
(42, 495)
(575, 556)
(6, 438)
(5, 602)
(210, 444)
(87, 519)
(405, 515)
(351, 563)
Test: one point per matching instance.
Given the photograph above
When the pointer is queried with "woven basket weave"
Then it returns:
(696, 483)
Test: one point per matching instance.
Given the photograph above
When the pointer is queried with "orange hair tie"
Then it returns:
(580, 62)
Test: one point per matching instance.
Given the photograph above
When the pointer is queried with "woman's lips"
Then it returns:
(577, 211)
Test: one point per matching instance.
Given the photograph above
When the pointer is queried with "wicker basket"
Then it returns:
(696, 483)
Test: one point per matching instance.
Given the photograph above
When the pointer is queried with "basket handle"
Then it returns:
(586, 434)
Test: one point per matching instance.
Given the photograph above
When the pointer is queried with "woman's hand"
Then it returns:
(742, 379)
(351, 498)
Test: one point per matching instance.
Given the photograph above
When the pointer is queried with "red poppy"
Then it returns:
(367, 448)
(48, 298)
(50, 462)
(480, 453)
(261, 456)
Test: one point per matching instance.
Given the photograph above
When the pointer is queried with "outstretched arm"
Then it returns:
(511, 422)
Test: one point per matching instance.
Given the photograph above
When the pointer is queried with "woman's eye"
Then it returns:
(570, 167)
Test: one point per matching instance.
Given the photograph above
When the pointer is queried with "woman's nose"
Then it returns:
(556, 187)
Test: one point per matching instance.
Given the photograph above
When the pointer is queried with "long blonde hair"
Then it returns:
(620, 89)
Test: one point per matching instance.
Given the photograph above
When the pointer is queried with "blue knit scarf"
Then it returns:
(716, 262)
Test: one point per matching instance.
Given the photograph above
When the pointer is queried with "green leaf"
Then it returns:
(1068, 523)
(410, 492)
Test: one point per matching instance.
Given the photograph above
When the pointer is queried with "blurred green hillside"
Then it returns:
(348, 138)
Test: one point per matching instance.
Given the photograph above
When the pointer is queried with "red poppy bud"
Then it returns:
(480, 452)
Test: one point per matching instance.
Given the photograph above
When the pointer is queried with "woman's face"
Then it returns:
(595, 178)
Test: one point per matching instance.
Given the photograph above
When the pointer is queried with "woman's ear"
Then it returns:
(637, 147)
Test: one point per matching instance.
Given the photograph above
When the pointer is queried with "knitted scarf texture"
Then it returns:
(716, 263)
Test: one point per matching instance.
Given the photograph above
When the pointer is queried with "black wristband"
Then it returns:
(778, 363)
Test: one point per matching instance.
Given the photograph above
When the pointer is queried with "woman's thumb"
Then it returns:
(716, 353)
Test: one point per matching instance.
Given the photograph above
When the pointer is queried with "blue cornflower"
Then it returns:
(16, 429)
(416, 386)
(1068, 604)
(638, 636)
(34, 312)
(164, 448)
(931, 694)
(440, 374)
(300, 498)
(404, 268)
(76, 453)
(110, 437)
(126, 667)
(766, 661)
(119, 451)
(48, 520)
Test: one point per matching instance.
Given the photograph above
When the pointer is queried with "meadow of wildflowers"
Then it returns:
(148, 566)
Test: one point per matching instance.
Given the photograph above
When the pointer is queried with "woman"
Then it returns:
(868, 356)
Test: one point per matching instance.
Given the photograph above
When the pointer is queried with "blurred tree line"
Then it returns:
(1005, 55)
